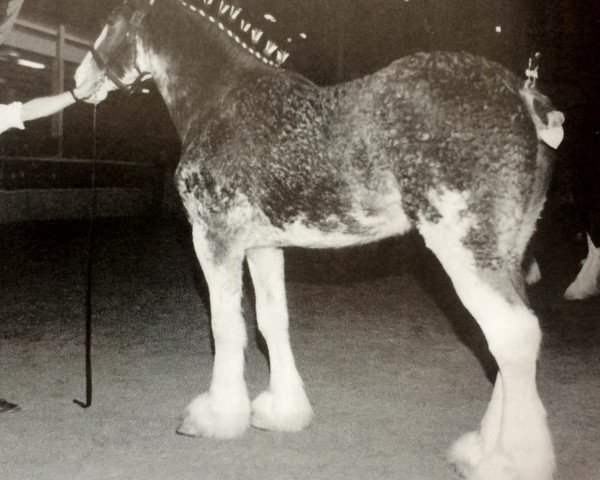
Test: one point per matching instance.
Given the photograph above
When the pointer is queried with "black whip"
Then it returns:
(88, 293)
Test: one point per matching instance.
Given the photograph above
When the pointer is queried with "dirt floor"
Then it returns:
(395, 368)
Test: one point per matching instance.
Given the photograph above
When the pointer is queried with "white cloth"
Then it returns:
(11, 116)
(552, 136)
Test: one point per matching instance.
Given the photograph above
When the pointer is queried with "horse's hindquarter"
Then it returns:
(451, 121)
(297, 164)
(454, 122)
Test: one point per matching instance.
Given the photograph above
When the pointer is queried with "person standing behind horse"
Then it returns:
(14, 114)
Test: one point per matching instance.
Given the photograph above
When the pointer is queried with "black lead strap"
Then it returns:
(89, 278)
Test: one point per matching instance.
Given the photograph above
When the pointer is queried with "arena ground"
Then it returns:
(394, 366)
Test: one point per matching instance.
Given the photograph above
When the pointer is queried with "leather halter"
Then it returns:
(133, 12)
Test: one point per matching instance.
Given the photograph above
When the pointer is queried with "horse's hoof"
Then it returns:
(497, 466)
(468, 457)
(215, 417)
(466, 453)
(285, 413)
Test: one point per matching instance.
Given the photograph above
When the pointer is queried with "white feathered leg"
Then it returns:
(523, 447)
(223, 411)
(284, 406)
(514, 442)
(587, 283)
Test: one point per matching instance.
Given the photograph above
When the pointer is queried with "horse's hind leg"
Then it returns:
(223, 411)
(513, 442)
(284, 406)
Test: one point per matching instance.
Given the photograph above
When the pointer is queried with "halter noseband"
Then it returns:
(138, 11)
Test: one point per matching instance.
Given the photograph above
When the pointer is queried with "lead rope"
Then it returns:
(88, 293)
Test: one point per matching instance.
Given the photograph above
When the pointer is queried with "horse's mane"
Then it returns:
(249, 35)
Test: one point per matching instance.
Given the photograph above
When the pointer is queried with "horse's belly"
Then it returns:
(358, 227)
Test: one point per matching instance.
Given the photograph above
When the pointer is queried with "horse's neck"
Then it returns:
(193, 63)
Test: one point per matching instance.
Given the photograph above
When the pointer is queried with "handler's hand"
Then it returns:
(86, 89)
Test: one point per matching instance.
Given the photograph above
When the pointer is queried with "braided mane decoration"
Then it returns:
(271, 54)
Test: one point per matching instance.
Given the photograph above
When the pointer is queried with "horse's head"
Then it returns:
(112, 62)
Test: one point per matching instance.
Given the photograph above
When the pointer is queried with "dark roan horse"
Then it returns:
(448, 144)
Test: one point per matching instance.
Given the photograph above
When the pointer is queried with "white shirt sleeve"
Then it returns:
(11, 116)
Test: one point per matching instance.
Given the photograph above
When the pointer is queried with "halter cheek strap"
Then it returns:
(140, 10)
(103, 65)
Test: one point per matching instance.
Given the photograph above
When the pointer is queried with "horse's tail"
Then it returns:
(548, 125)
(548, 122)
(546, 119)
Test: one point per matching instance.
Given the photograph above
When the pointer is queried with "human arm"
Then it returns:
(45, 106)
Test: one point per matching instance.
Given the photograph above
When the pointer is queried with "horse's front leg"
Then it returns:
(284, 406)
(223, 411)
